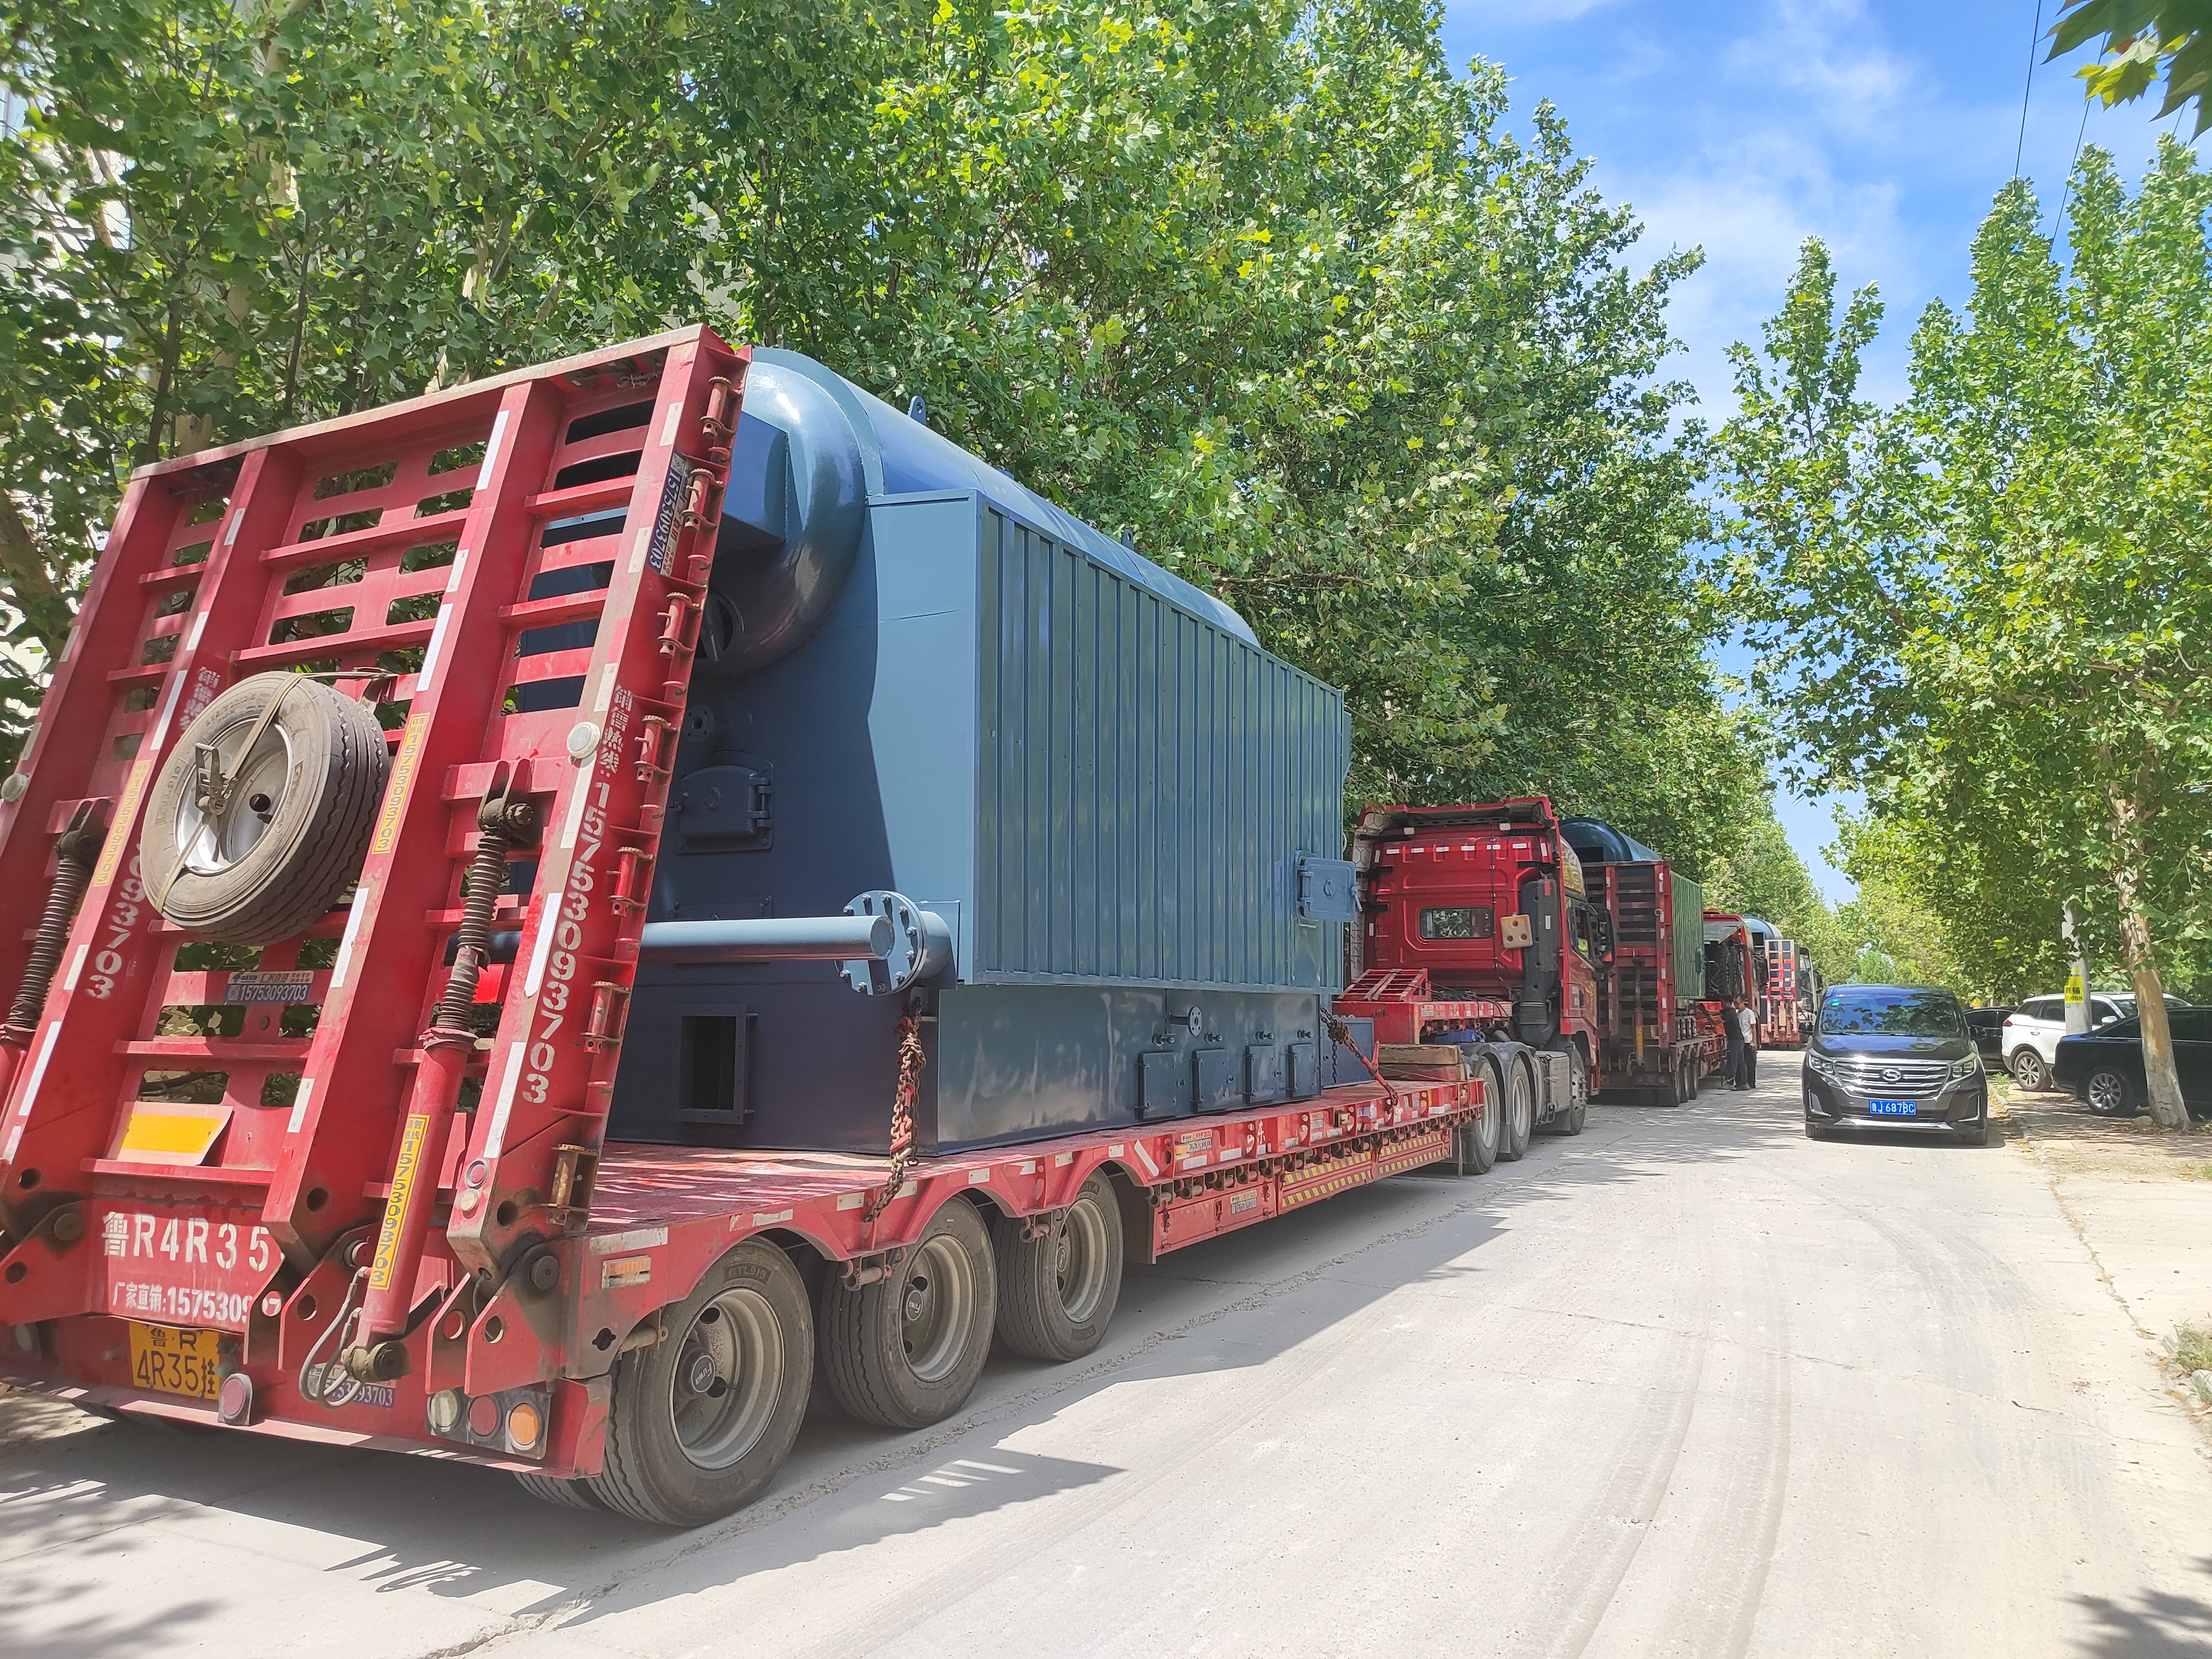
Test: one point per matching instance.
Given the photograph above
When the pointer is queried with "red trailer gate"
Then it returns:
(285, 1176)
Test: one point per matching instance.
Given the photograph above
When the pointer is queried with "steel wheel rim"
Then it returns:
(212, 843)
(1521, 1100)
(1079, 1248)
(937, 1309)
(736, 1343)
(1489, 1126)
(2108, 1092)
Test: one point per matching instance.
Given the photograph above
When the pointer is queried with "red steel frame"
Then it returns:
(543, 1248)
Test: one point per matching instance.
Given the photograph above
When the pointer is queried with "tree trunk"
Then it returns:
(2161, 1080)
(2167, 1109)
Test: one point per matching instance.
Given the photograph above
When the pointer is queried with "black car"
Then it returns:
(1986, 1027)
(2104, 1067)
(1894, 1057)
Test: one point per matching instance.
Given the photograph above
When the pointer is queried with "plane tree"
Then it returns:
(1987, 606)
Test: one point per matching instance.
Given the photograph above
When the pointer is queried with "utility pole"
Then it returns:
(2077, 978)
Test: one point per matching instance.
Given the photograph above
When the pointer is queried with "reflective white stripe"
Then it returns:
(192, 639)
(575, 818)
(505, 1102)
(437, 644)
(353, 914)
(77, 966)
(230, 536)
(637, 1238)
(491, 449)
(300, 1106)
(161, 725)
(31, 1085)
(668, 424)
(538, 953)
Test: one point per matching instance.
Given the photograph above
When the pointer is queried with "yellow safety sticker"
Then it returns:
(403, 777)
(410, 1165)
(171, 1134)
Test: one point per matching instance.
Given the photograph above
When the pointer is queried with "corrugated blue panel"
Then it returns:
(1146, 783)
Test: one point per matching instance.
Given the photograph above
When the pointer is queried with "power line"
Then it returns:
(2035, 40)
(2066, 200)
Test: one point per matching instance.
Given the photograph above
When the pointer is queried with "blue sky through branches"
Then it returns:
(1882, 126)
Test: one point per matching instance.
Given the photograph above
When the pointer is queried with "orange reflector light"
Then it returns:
(523, 1425)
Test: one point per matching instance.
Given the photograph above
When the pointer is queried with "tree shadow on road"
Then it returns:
(2158, 1622)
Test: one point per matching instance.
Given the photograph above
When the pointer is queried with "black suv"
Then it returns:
(1894, 1057)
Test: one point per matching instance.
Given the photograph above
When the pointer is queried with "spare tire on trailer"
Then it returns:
(260, 817)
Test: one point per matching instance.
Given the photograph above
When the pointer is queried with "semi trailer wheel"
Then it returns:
(1517, 1123)
(905, 1352)
(1474, 1145)
(1056, 1294)
(562, 1494)
(260, 818)
(700, 1421)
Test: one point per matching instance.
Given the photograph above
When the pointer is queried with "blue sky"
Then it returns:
(1881, 126)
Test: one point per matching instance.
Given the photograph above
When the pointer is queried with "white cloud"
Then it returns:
(1828, 48)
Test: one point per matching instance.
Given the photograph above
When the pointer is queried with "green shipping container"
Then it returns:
(1689, 941)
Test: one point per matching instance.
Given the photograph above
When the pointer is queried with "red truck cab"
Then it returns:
(1489, 902)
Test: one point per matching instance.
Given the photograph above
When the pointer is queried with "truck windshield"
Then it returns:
(1893, 1013)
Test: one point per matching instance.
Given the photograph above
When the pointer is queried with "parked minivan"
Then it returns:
(1894, 1057)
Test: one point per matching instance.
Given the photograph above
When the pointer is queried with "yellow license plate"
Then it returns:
(165, 1360)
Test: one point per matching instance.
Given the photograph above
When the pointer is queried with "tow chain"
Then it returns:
(910, 1062)
(1338, 1032)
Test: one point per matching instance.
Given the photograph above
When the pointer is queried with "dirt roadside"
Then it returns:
(2141, 1200)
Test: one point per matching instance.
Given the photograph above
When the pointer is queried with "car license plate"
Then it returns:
(1893, 1107)
(166, 1360)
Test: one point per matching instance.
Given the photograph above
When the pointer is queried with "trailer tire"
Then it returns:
(680, 1454)
(1516, 1124)
(1056, 1294)
(1474, 1145)
(940, 1298)
(561, 1494)
(302, 808)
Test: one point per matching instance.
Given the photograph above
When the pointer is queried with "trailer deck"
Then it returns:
(660, 1217)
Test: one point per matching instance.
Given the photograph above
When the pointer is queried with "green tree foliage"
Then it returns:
(2144, 39)
(1264, 284)
(1993, 595)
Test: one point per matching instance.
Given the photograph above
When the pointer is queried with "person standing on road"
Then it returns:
(1732, 1028)
(1746, 1020)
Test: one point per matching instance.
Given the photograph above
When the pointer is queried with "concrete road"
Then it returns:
(1688, 1384)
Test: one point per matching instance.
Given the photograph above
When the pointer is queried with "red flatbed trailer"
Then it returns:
(352, 1220)
(661, 1216)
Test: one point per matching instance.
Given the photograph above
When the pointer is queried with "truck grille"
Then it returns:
(1914, 1079)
